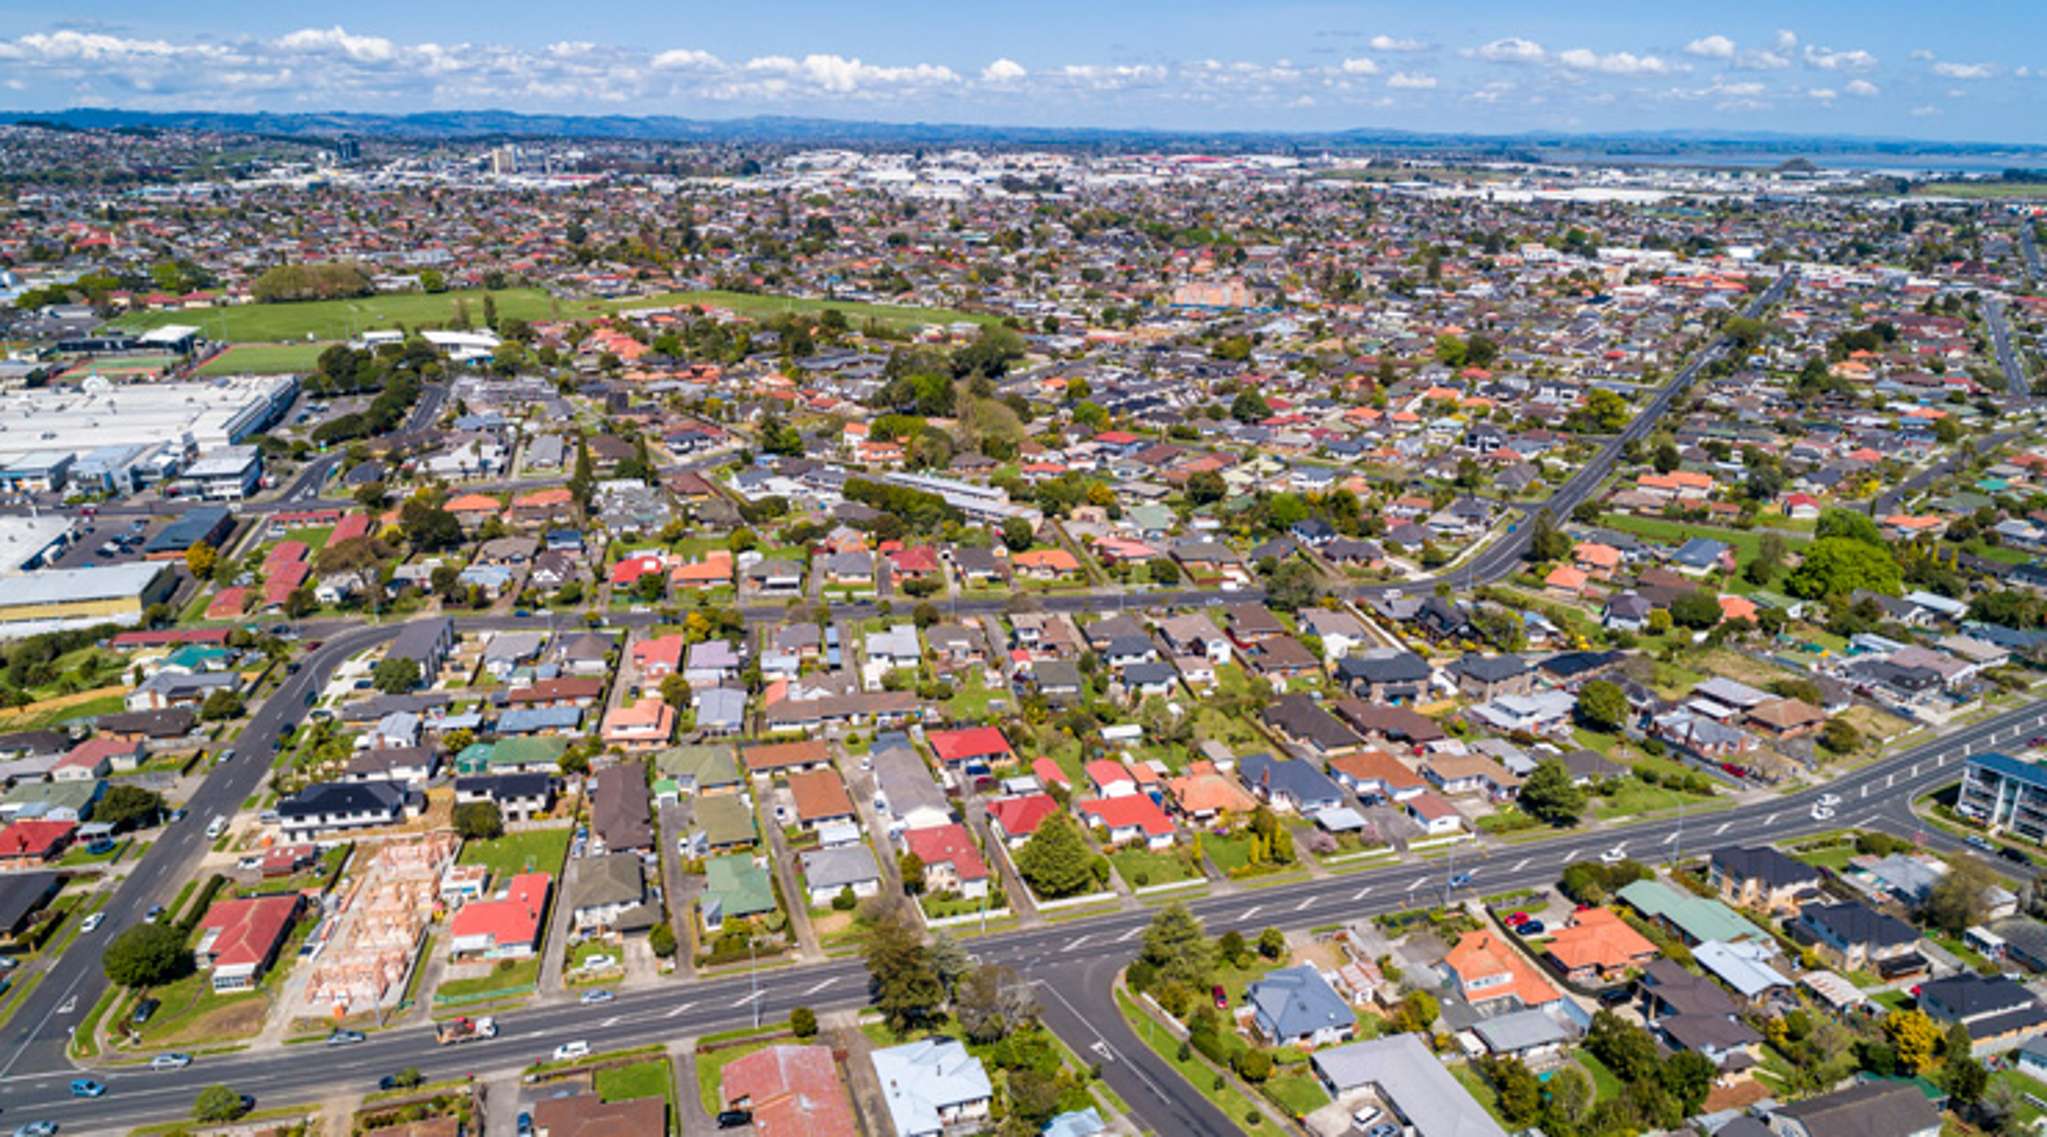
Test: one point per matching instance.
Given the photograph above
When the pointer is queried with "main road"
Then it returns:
(34, 1047)
(1072, 965)
(2000, 341)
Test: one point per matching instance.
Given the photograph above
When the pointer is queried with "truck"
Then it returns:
(465, 1030)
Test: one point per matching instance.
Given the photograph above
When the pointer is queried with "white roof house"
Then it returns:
(930, 1085)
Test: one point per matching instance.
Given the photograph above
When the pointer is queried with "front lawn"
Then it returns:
(1299, 1094)
(1139, 866)
(1194, 1070)
(509, 976)
(711, 1065)
(1231, 853)
(639, 1080)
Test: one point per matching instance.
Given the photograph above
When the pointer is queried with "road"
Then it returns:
(35, 1048)
(2000, 341)
(1073, 964)
(1894, 499)
(2029, 247)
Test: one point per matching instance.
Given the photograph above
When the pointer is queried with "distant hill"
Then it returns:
(429, 126)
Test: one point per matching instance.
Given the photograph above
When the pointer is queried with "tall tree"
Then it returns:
(907, 989)
(1550, 795)
(1056, 862)
(1177, 948)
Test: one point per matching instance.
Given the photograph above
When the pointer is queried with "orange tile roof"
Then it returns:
(1483, 954)
(1599, 938)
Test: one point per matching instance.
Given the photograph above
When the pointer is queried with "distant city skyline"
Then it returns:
(1959, 72)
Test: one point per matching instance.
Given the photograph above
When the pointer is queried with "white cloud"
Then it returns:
(1408, 81)
(1823, 94)
(842, 75)
(1004, 70)
(1827, 59)
(1115, 77)
(1513, 49)
(680, 58)
(1950, 70)
(1762, 61)
(1786, 39)
(1741, 90)
(1360, 66)
(1384, 42)
(84, 47)
(1862, 88)
(1617, 63)
(1924, 112)
(362, 49)
(1711, 47)
(1921, 55)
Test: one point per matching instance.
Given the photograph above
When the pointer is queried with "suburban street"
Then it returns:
(2000, 341)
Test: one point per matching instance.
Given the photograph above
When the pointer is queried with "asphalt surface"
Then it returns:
(2000, 341)
(2029, 247)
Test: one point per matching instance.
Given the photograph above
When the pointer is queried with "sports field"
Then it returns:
(343, 319)
(265, 359)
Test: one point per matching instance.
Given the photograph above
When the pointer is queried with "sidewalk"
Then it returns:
(807, 947)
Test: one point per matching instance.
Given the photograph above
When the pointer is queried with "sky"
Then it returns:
(1970, 70)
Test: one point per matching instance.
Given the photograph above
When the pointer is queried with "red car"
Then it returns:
(1516, 919)
(1222, 997)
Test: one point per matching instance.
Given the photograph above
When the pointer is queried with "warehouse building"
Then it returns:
(55, 599)
(40, 426)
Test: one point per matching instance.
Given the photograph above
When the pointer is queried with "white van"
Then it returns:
(215, 828)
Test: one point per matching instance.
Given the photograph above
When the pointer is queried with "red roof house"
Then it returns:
(240, 938)
(508, 925)
(30, 843)
(956, 746)
(951, 862)
(1016, 818)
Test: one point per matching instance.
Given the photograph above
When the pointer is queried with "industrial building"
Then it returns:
(54, 599)
(113, 438)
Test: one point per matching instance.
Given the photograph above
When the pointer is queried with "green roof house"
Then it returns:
(734, 888)
(1694, 918)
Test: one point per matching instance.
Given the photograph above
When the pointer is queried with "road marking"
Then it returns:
(1076, 943)
(677, 1010)
(1519, 865)
(820, 985)
(1865, 790)
(1770, 820)
(607, 1024)
(1304, 905)
(1669, 839)
(1414, 884)
(1361, 893)
(1129, 935)
(1722, 829)
(745, 999)
(1915, 769)
(1253, 910)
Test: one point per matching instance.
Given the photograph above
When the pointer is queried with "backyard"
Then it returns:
(530, 850)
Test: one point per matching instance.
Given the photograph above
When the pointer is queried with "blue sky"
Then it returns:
(1973, 70)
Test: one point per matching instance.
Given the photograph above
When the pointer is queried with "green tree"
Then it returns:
(1768, 561)
(1416, 1013)
(216, 1104)
(1017, 534)
(128, 806)
(479, 821)
(803, 1022)
(146, 955)
(1177, 949)
(661, 941)
(1205, 486)
(1271, 943)
(1688, 1077)
(1955, 902)
(1699, 608)
(911, 866)
(221, 705)
(1602, 705)
(1850, 524)
(907, 988)
(1838, 566)
(395, 674)
(1626, 1049)
(1546, 542)
(1250, 406)
(1666, 458)
(1839, 736)
(427, 527)
(1293, 585)
(1520, 1094)
(1570, 1094)
(1551, 796)
(1056, 862)
(1964, 1078)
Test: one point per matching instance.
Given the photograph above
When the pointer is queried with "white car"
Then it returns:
(568, 1051)
(1822, 813)
(1830, 799)
(92, 922)
(1366, 1116)
(1613, 856)
(599, 962)
(171, 1061)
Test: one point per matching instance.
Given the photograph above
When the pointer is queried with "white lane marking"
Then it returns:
(1890, 780)
(819, 986)
(1915, 769)
(748, 998)
(1076, 943)
(607, 1024)
(676, 1010)
(1253, 910)
(1129, 935)
(1361, 893)
(1667, 840)
(1519, 865)
(1770, 820)
(1305, 904)
(1414, 884)
(1722, 829)
(1865, 790)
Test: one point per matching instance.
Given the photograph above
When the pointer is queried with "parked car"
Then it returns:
(1530, 928)
(525, 1124)
(599, 962)
(568, 1051)
(145, 1009)
(92, 922)
(154, 914)
(592, 998)
(2016, 856)
(172, 1061)
(1515, 919)
(1365, 1117)
(1221, 997)
(734, 1118)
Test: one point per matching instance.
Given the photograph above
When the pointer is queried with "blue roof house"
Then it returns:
(1295, 1006)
